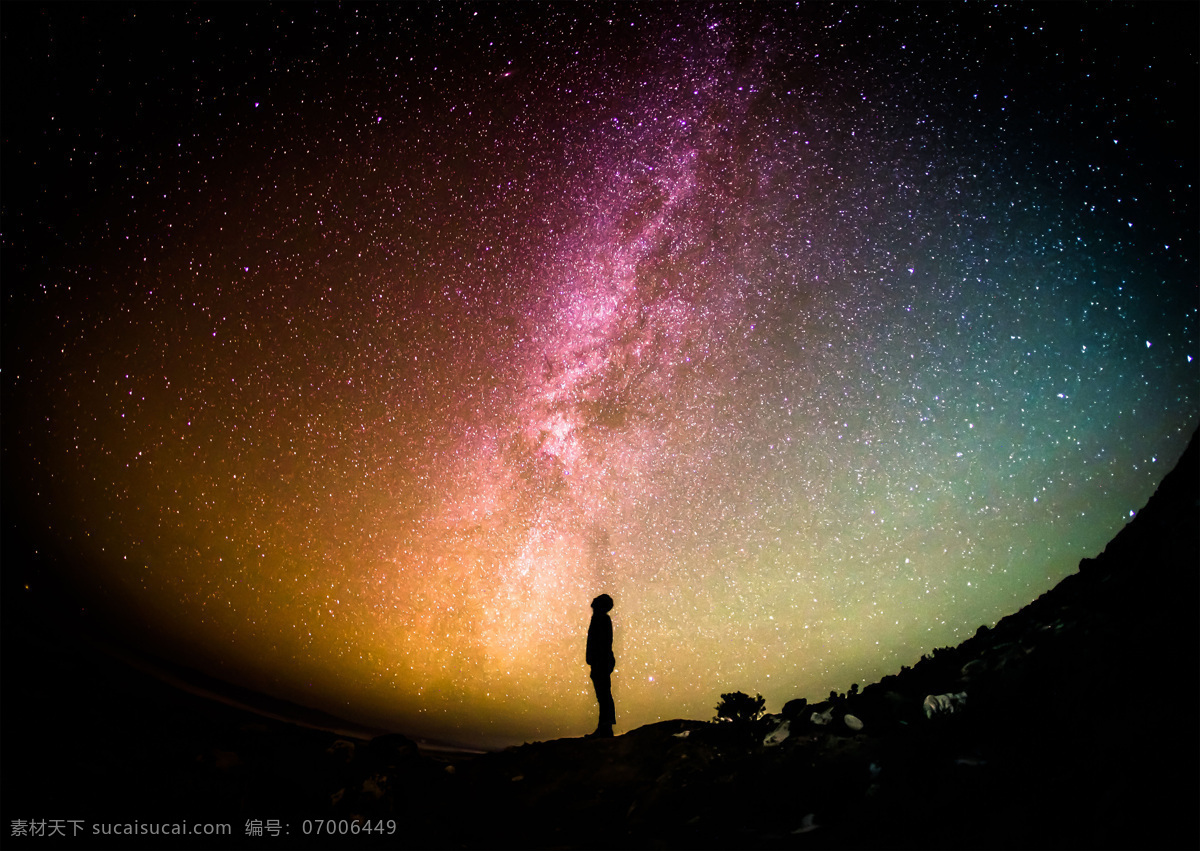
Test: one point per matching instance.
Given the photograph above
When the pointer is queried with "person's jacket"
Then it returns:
(599, 642)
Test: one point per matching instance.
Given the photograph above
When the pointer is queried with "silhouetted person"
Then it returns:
(600, 657)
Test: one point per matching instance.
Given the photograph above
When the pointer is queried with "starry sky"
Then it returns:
(350, 351)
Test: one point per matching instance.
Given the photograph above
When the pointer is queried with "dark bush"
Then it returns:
(741, 708)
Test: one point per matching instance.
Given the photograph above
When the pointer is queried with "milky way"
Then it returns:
(350, 353)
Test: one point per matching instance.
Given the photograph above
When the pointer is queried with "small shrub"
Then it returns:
(741, 708)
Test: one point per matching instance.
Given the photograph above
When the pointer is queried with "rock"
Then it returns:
(808, 824)
(341, 750)
(372, 787)
(795, 708)
(944, 704)
(779, 734)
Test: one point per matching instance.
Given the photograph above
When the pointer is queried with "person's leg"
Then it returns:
(608, 715)
(607, 709)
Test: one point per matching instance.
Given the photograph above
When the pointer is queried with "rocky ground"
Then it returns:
(1079, 728)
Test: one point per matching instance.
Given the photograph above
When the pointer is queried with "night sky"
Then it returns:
(349, 352)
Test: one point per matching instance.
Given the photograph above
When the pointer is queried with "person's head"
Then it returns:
(602, 604)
